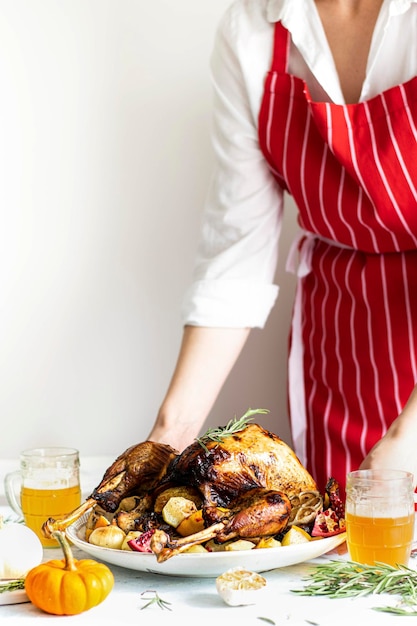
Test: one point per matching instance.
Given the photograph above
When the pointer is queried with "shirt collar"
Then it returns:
(397, 7)
(277, 10)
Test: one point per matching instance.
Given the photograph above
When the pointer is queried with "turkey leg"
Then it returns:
(256, 513)
(138, 470)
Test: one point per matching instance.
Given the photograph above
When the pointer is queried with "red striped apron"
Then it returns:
(352, 170)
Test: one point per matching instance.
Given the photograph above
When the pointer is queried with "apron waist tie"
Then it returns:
(299, 263)
(303, 245)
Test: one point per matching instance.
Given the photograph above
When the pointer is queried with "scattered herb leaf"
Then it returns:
(12, 585)
(267, 620)
(154, 600)
(234, 426)
(347, 579)
(403, 608)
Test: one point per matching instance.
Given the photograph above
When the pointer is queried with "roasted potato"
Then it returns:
(180, 491)
(133, 534)
(212, 546)
(240, 544)
(196, 549)
(268, 542)
(177, 509)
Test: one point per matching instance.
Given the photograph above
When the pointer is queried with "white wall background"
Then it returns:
(104, 161)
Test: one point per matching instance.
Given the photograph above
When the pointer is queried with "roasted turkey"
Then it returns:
(251, 460)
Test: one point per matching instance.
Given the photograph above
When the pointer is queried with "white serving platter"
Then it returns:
(205, 565)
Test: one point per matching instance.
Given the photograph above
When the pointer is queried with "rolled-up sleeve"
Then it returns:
(241, 222)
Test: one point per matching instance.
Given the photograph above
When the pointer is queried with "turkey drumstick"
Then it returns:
(256, 513)
(138, 470)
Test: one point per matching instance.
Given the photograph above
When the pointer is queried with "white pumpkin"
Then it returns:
(20, 550)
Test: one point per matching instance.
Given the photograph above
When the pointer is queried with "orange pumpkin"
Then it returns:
(68, 586)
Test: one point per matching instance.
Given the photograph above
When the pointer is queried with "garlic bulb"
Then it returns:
(238, 586)
(20, 550)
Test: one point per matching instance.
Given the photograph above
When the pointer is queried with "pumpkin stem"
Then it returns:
(62, 540)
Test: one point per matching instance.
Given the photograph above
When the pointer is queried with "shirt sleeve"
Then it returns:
(238, 249)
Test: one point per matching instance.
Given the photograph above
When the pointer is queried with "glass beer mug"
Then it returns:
(380, 516)
(46, 485)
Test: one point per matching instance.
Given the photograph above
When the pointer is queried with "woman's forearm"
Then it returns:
(206, 357)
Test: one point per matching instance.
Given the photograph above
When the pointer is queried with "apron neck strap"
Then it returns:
(282, 40)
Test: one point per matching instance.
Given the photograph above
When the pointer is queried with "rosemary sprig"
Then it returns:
(12, 585)
(155, 599)
(232, 427)
(347, 579)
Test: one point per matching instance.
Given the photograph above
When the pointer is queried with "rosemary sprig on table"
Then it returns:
(12, 585)
(232, 427)
(347, 579)
(155, 599)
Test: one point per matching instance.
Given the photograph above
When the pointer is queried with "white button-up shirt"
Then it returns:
(238, 252)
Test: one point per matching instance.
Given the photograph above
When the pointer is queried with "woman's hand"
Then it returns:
(397, 449)
(393, 451)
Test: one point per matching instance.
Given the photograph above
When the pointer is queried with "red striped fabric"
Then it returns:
(352, 170)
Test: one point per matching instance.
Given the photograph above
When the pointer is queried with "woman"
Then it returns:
(317, 98)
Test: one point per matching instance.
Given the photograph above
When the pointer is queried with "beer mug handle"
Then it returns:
(12, 485)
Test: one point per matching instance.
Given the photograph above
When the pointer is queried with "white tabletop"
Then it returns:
(197, 599)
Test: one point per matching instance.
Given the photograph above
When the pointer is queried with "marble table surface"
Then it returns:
(195, 600)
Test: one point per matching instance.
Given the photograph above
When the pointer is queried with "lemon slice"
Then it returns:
(295, 535)
(238, 586)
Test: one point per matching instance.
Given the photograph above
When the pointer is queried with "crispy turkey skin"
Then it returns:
(248, 459)
(256, 513)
